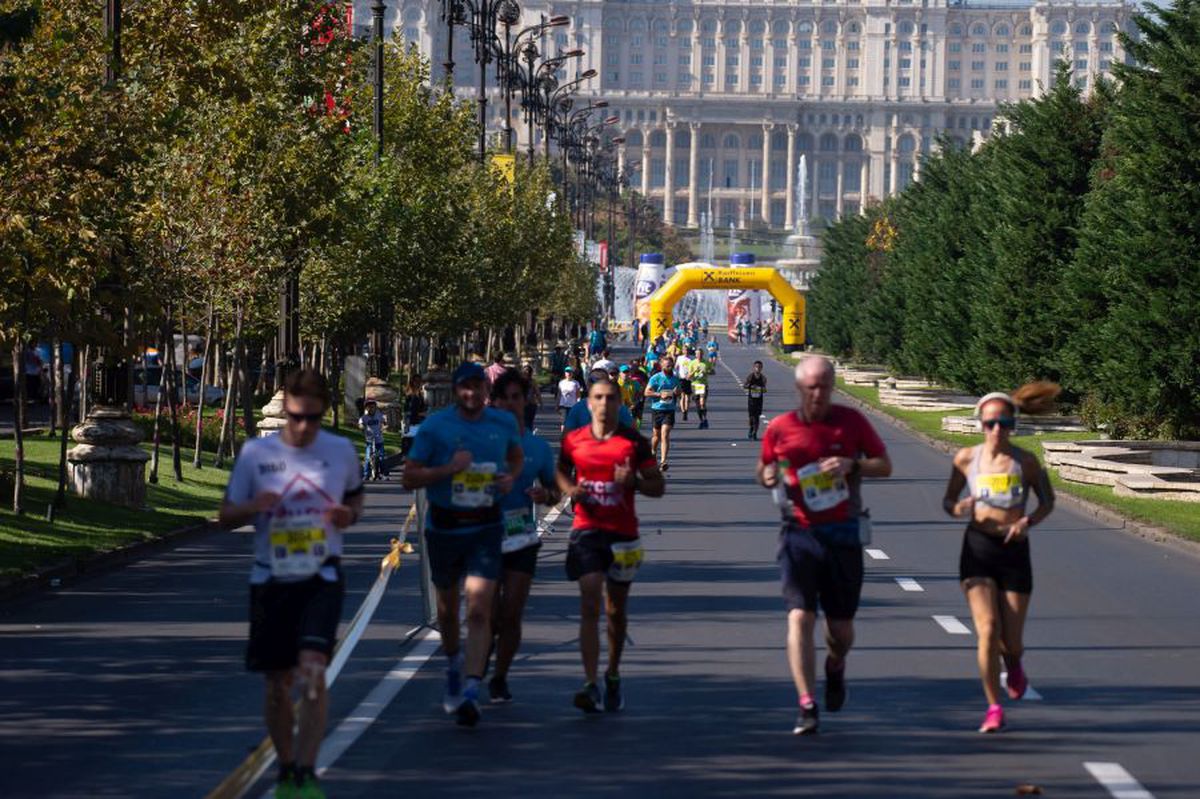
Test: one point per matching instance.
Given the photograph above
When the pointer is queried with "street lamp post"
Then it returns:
(377, 11)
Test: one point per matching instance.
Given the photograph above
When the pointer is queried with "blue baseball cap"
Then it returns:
(624, 367)
(468, 371)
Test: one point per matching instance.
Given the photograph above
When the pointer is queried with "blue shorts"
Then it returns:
(455, 555)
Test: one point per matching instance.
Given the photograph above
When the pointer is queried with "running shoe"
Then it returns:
(498, 692)
(286, 787)
(468, 713)
(994, 720)
(835, 687)
(453, 697)
(808, 721)
(662, 467)
(614, 700)
(588, 700)
(310, 788)
(704, 425)
(1017, 683)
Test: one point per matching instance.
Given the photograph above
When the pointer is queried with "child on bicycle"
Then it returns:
(371, 423)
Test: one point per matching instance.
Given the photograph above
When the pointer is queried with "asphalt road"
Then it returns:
(131, 684)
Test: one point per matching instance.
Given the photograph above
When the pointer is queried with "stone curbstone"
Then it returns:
(72, 569)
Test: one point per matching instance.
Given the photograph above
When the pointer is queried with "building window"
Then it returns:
(979, 47)
(1106, 47)
(804, 44)
(756, 61)
(756, 80)
(685, 59)
(804, 81)
(1025, 85)
(804, 63)
(827, 45)
(635, 58)
(1026, 66)
(852, 45)
(904, 47)
(708, 41)
(1081, 83)
(955, 66)
(685, 41)
(1002, 84)
(1001, 66)
(852, 80)
(731, 60)
(1026, 30)
(905, 63)
(614, 76)
(613, 59)
(756, 44)
(905, 81)
(684, 78)
(660, 77)
(828, 63)
(956, 47)
(731, 78)
(851, 63)
(1081, 47)
(660, 59)
(953, 83)
(780, 62)
(780, 80)
(1027, 48)
(976, 66)
(1081, 63)
(977, 83)
(1105, 64)
(1002, 48)
(635, 78)
(636, 41)
(709, 60)
(709, 78)
(827, 80)
(779, 44)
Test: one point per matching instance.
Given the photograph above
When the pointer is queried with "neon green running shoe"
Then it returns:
(286, 788)
(310, 788)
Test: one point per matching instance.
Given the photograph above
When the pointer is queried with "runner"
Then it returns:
(497, 368)
(683, 372)
(300, 489)
(699, 371)
(817, 451)
(536, 485)
(597, 342)
(568, 390)
(466, 456)
(663, 388)
(994, 567)
(605, 362)
(580, 414)
(600, 468)
(714, 350)
(756, 386)
(640, 378)
(533, 397)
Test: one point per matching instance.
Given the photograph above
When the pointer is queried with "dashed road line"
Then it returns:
(1117, 781)
(908, 584)
(877, 554)
(952, 625)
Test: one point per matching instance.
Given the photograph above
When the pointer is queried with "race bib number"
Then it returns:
(700, 388)
(474, 487)
(821, 491)
(627, 559)
(755, 392)
(297, 551)
(519, 530)
(998, 485)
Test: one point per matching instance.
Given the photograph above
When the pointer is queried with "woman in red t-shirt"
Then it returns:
(601, 467)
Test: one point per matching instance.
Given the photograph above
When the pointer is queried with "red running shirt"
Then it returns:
(609, 507)
(844, 432)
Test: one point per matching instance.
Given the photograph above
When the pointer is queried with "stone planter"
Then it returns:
(106, 463)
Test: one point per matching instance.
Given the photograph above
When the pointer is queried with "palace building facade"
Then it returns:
(717, 101)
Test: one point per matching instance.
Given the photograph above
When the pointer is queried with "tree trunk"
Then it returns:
(52, 394)
(230, 396)
(244, 371)
(260, 387)
(61, 399)
(205, 371)
(335, 384)
(18, 355)
(157, 434)
(174, 392)
(218, 356)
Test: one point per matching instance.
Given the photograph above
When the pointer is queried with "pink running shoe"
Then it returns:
(1017, 682)
(994, 720)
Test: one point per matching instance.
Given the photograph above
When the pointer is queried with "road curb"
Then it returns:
(1146, 532)
(70, 570)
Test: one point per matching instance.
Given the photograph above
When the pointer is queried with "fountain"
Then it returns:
(800, 268)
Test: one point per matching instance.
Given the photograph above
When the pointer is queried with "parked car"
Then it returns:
(145, 388)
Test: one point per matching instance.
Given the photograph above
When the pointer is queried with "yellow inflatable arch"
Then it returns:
(700, 276)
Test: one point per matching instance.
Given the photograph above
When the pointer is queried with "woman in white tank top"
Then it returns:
(994, 565)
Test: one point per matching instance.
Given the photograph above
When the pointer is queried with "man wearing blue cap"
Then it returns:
(465, 456)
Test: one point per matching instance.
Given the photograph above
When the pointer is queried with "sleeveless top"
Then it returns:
(755, 386)
(1004, 490)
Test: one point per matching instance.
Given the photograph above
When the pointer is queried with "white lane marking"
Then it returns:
(909, 584)
(878, 554)
(952, 625)
(1031, 695)
(363, 716)
(1119, 782)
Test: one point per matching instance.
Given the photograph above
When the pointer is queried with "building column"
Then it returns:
(917, 164)
(766, 173)
(841, 173)
(621, 160)
(646, 162)
(789, 219)
(693, 176)
(669, 177)
(895, 169)
(862, 181)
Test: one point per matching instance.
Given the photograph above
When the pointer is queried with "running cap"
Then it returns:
(568, 369)
(597, 374)
(468, 371)
(996, 395)
(624, 367)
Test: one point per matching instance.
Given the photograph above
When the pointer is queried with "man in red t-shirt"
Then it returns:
(820, 452)
(600, 467)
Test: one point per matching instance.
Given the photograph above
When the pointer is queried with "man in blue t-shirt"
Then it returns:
(467, 458)
(536, 485)
(581, 416)
(663, 389)
(597, 342)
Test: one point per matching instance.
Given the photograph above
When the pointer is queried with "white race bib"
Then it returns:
(474, 487)
(821, 491)
(298, 548)
(627, 559)
(519, 530)
(700, 388)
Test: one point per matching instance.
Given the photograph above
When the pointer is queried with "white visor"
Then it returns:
(995, 395)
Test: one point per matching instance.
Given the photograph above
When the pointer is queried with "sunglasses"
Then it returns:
(1005, 422)
(305, 417)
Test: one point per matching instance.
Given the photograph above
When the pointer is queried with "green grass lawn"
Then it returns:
(1181, 518)
(85, 527)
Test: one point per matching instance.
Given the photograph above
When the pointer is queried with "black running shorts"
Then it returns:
(590, 551)
(288, 617)
(663, 418)
(474, 554)
(816, 575)
(985, 555)
(523, 560)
